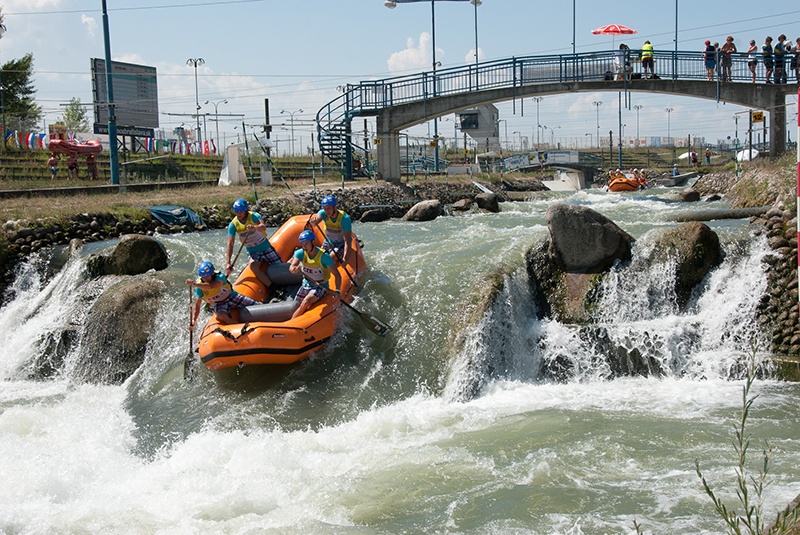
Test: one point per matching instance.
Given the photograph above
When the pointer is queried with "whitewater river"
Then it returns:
(406, 434)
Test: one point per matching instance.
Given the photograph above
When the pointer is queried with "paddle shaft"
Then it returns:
(188, 362)
(374, 324)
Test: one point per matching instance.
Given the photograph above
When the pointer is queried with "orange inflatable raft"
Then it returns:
(624, 184)
(266, 333)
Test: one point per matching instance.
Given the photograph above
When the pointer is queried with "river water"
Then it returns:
(408, 433)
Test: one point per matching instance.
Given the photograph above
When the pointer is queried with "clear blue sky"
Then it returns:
(296, 52)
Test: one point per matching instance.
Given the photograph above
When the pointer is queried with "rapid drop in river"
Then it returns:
(407, 433)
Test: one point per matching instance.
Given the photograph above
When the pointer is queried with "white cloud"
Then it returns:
(470, 57)
(414, 58)
(90, 23)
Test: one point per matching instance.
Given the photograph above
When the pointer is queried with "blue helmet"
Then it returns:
(205, 269)
(241, 206)
(306, 235)
(329, 200)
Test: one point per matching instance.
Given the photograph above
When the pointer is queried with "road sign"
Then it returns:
(758, 116)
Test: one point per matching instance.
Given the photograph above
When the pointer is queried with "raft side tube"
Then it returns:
(269, 312)
(280, 275)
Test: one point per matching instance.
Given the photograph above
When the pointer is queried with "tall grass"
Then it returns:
(749, 518)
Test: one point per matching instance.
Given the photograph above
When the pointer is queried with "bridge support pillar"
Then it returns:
(777, 126)
(388, 151)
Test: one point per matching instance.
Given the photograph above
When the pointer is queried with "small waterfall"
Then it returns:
(41, 324)
(638, 328)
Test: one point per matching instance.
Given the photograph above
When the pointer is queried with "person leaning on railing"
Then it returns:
(647, 60)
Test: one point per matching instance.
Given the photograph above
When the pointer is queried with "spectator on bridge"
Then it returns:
(752, 58)
(647, 60)
(778, 52)
(622, 62)
(710, 57)
(727, 50)
(766, 55)
(788, 56)
(795, 62)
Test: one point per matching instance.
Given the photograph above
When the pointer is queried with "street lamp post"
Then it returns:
(291, 121)
(591, 141)
(552, 135)
(597, 104)
(520, 137)
(669, 132)
(197, 62)
(637, 108)
(538, 126)
(2, 93)
(476, 3)
(216, 113)
(506, 132)
(391, 4)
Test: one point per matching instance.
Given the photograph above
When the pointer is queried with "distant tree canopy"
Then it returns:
(75, 117)
(21, 110)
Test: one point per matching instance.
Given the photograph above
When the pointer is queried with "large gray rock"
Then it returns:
(133, 255)
(585, 241)
(488, 202)
(424, 211)
(696, 251)
(117, 330)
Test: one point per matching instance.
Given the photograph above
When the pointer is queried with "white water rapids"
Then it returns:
(398, 434)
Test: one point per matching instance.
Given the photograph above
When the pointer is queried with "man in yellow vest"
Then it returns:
(314, 263)
(647, 60)
(252, 232)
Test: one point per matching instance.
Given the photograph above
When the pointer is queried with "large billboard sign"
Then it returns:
(135, 94)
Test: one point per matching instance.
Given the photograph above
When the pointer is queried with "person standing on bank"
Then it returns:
(72, 167)
(52, 164)
(252, 232)
(213, 288)
(338, 227)
(314, 263)
(91, 167)
(647, 60)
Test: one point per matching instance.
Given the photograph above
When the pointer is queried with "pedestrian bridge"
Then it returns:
(404, 101)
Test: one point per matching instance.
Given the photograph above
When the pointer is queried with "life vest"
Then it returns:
(778, 50)
(647, 51)
(312, 267)
(333, 229)
(250, 238)
(766, 50)
(216, 295)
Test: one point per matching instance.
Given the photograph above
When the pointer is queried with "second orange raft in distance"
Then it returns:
(266, 333)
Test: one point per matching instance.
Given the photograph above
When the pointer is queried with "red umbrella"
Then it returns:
(614, 29)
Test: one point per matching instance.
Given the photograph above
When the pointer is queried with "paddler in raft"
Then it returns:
(338, 228)
(253, 234)
(315, 264)
(213, 288)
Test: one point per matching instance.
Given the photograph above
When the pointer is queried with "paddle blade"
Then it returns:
(375, 325)
(189, 367)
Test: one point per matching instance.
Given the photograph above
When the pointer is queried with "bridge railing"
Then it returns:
(369, 97)
(527, 70)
